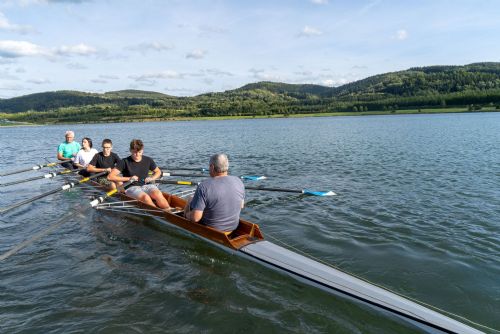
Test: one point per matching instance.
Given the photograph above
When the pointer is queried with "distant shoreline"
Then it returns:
(220, 118)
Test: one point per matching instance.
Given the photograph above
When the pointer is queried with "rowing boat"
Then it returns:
(248, 241)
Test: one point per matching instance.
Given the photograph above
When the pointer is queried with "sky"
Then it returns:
(186, 48)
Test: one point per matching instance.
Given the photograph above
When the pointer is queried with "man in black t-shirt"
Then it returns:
(104, 161)
(136, 168)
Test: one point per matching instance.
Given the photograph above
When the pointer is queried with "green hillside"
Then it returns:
(471, 86)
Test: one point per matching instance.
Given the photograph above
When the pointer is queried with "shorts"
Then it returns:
(135, 191)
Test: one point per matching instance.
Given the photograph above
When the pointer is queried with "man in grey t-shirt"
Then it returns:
(218, 200)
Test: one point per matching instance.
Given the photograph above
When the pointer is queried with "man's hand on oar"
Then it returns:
(298, 191)
(48, 193)
(243, 177)
(46, 176)
(51, 164)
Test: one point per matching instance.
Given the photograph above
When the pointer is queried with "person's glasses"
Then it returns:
(108, 147)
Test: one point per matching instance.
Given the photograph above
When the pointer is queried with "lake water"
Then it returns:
(417, 211)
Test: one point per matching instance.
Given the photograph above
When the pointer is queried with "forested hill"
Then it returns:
(472, 85)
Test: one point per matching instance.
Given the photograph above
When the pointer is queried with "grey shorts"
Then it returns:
(135, 191)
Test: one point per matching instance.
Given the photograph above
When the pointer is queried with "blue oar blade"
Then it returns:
(318, 193)
(253, 177)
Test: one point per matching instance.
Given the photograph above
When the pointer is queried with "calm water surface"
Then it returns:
(417, 211)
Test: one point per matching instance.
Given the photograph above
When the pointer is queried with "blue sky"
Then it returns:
(185, 48)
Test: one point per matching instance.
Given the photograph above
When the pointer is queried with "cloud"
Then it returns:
(310, 32)
(206, 30)
(319, 2)
(334, 82)
(401, 35)
(217, 72)
(11, 87)
(261, 74)
(16, 49)
(150, 78)
(7, 26)
(196, 54)
(76, 50)
(76, 66)
(150, 46)
(109, 77)
(99, 81)
(39, 81)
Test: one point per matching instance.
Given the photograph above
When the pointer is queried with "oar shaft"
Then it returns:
(186, 168)
(181, 183)
(46, 176)
(36, 167)
(51, 192)
(284, 190)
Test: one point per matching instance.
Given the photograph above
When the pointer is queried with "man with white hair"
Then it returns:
(218, 200)
(68, 149)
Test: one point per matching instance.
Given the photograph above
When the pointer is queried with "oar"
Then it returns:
(48, 193)
(52, 227)
(243, 177)
(110, 193)
(34, 168)
(46, 176)
(298, 191)
(203, 170)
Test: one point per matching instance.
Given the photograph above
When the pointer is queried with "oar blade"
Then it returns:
(253, 177)
(318, 193)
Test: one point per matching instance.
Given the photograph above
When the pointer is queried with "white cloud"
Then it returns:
(39, 81)
(150, 46)
(16, 49)
(99, 81)
(196, 54)
(310, 32)
(334, 82)
(319, 2)
(7, 26)
(401, 35)
(219, 73)
(261, 74)
(76, 66)
(76, 50)
(152, 77)
(109, 77)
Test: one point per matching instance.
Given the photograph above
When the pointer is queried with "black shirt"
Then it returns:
(129, 167)
(100, 161)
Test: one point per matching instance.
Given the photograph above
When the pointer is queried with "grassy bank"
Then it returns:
(4, 121)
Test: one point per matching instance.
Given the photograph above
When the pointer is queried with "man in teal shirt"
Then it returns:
(68, 149)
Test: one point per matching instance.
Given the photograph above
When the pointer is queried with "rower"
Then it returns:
(67, 150)
(219, 199)
(104, 161)
(84, 156)
(136, 168)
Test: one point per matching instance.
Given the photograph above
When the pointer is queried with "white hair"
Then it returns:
(69, 133)
(220, 162)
